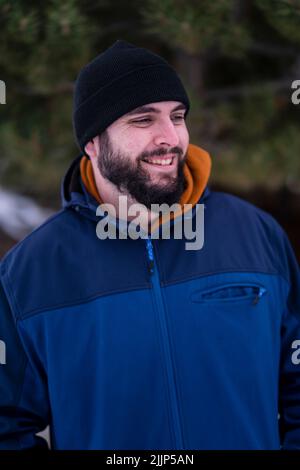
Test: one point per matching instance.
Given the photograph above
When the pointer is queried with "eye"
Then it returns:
(178, 118)
(142, 121)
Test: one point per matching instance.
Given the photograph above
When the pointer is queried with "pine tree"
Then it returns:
(237, 58)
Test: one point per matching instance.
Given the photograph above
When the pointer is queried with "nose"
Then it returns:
(166, 133)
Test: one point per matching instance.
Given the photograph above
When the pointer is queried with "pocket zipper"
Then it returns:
(257, 296)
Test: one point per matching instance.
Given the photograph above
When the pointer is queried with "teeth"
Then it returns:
(157, 161)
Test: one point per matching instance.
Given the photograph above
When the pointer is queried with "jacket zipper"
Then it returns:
(166, 343)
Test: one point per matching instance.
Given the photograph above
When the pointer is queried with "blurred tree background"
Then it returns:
(237, 58)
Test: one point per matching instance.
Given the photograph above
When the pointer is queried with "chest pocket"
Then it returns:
(231, 292)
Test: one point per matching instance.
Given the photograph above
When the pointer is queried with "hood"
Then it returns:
(78, 188)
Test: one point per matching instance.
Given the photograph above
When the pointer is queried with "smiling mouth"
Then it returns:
(166, 161)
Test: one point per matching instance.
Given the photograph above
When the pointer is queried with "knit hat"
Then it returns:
(117, 81)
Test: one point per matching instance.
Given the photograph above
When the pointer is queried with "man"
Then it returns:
(121, 342)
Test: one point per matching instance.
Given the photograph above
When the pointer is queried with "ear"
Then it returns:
(92, 147)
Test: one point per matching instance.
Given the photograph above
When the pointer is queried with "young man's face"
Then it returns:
(143, 153)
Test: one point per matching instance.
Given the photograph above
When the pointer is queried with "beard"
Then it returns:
(132, 179)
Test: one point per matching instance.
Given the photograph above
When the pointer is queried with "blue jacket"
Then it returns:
(116, 350)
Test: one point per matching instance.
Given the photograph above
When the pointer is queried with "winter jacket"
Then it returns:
(143, 344)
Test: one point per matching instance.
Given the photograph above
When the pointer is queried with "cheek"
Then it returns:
(134, 146)
(184, 138)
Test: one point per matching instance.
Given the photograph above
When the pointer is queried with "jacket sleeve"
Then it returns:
(23, 395)
(289, 384)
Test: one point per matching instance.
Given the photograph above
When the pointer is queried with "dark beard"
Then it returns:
(131, 178)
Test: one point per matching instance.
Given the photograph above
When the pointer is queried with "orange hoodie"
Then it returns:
(196, 172)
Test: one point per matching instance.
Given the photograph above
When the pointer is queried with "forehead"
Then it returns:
(157, 108)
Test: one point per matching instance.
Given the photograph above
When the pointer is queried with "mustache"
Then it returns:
(161, 152)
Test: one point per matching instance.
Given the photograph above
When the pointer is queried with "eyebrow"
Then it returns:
(150, 109)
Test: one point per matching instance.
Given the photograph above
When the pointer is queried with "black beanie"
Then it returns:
(117, 81)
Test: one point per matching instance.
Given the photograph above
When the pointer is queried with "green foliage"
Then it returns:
(236, 58)
(251, 147)
(44, 43)
(283, 16)
(197, 26)
(30, 162)
(271, 162)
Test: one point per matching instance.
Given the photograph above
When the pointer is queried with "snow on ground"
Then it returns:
(19, 215)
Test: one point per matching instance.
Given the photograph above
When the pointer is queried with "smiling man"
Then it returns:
(140, 343)
(148, 168)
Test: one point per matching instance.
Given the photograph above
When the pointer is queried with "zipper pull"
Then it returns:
(259, 295)
(150, 255)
